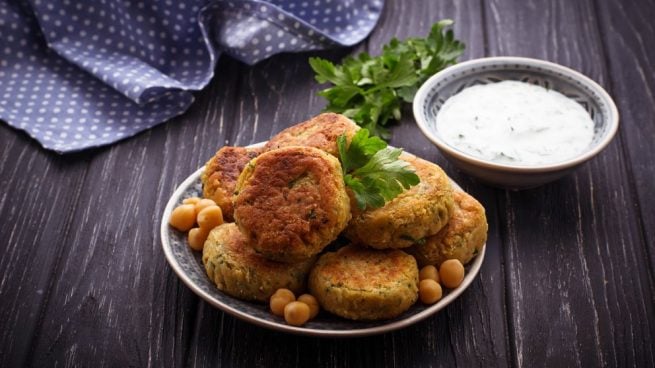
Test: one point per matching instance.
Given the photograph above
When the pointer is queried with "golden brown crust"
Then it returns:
(419, 212)
(291, 202)
(319, 132)
(365, 284)
(237, 270)
(221, 173)
(461, 239)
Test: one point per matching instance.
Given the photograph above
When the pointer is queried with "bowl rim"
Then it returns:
(612, 119)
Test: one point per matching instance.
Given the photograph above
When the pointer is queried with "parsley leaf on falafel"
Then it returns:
(374, 171)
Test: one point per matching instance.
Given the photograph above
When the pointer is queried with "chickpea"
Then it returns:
(191, 200)
(183, 217)
(286, 292)
(451, 273)
(210, 217)
(279, 300)
(312, 303)
(429, 272)
(197, 237)
(429, 291)
(201, 204)
(296, 313)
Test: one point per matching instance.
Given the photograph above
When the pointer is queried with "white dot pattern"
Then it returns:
(78, 74)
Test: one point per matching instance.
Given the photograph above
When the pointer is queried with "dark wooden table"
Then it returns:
(568, 276)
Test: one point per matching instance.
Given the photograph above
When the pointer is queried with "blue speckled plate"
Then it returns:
(187, 264)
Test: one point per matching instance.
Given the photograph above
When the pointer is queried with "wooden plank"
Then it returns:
(627, 31)
(474, 332)
(569, 243)
(275, 94)
(114, 298)
(40, 190)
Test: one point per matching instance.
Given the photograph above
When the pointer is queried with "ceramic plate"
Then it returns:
(187, 264)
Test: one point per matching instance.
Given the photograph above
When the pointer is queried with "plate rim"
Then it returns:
(307, 331)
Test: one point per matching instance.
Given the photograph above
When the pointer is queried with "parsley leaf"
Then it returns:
(360, 151)
(374, 171)
(371, 90)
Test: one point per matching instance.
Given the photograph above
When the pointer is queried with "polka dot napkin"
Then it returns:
(81, 74)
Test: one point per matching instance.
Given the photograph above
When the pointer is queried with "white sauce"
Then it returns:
(515, 123)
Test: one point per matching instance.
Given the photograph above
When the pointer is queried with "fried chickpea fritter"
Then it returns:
(419, 212)
(461, 239)
(221, 173)
(365, 284)
(319, 132)
(291, 202)
(239, 271)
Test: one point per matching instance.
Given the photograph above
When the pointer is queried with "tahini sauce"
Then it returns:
(516, 123)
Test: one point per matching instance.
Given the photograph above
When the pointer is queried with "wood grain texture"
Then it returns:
(568, 273)
(475, 332)
(579, 232)
(628, 33)
(35, 220)
(112, 280)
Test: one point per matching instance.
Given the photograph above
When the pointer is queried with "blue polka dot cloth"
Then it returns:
(81, 74)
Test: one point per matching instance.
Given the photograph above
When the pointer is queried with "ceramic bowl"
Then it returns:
(435, 91)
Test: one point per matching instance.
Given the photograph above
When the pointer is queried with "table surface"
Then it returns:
(568, 275)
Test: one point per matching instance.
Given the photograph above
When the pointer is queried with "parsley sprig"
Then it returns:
(372, 170)
(371, 90)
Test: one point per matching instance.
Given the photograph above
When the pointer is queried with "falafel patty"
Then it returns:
(221, 173)
(461, 238)
(419, 212)
(237, 270)
(365, 284)
(291, 202)
(319, 132)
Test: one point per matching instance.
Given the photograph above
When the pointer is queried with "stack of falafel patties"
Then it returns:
(288, 202)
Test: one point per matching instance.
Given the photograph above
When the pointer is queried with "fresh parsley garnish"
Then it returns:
(371, 90)
(372, 170)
